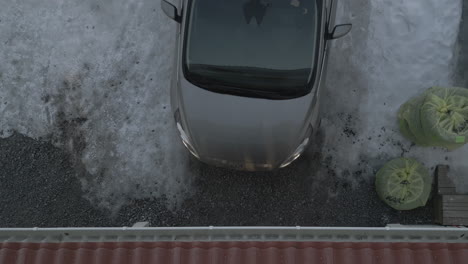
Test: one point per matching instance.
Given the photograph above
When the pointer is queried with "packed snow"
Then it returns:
(94, 79)
(397, 50)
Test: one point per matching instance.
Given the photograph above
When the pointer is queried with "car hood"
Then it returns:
(241, 129)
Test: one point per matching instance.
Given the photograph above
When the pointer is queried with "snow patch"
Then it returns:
(97, 84)
(397, 49)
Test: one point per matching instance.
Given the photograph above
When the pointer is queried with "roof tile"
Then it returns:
(232, 252)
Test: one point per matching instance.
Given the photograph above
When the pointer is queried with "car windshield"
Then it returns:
(259, 48)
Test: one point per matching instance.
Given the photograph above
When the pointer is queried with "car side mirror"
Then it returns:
(340, 31)
(170, 10)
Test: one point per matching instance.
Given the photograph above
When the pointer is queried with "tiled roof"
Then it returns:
(232, 252)
(399, 245)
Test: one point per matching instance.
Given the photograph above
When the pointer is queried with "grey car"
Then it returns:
(247, 77)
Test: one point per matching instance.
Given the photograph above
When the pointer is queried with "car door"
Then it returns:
(176, 72)
(331, 13)
(329, 20)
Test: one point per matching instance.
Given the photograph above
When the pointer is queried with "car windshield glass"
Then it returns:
(252, 45)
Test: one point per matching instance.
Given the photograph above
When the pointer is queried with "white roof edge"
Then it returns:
(390, 233)
(396, 227)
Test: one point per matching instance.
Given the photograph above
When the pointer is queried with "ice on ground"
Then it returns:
(93, 76)
(397, 50)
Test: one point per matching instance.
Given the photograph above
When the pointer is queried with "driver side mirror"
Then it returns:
(340, 31)
(170, 10)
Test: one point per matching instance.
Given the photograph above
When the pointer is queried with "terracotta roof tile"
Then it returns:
(232, 252)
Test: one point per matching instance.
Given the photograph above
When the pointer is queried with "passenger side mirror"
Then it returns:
(340, 31)
(170, 10)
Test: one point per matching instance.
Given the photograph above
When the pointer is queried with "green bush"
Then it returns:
(404, 184)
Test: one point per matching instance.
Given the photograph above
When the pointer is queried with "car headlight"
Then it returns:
(297, 153)
(183, 135)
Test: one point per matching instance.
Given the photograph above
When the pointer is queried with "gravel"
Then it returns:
(39, 186)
